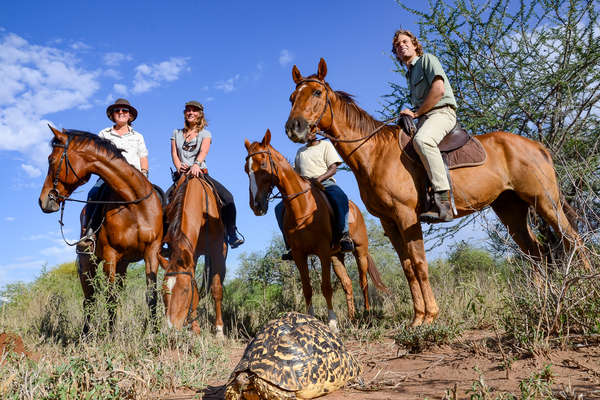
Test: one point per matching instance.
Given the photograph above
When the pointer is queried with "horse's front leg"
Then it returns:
(300, 259)
(111, 261)
(327, 290)
(151, 260)
(342, 273)
(86, 270)
(420, 302)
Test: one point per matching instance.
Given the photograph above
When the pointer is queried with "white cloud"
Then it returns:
(285, 57)
(114, 59)
(120, 89)
(228, 85)
(80, 46)
(9, 219)
(35, 81)
(112, 73)
(150, 76)
(32, 171)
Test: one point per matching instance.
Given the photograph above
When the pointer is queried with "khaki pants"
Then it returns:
(431, 129)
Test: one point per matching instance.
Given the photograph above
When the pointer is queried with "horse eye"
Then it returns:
(317, 93)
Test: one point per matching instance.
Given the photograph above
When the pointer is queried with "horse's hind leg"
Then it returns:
(342, 273)
(512, 212)
(217, 276)
(151, 261)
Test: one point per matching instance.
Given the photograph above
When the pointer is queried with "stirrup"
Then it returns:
(235, 241)
(287, 256)
(86, 245)
(346, 243)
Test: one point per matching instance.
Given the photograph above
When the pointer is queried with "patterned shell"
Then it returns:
(297, 353)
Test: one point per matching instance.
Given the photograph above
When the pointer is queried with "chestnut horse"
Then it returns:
(307, 225)
(194, 228)
(132, 227)
(517, 174)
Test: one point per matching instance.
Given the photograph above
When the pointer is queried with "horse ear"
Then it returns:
(247, 144)
(296, 75)
(322, 71)
(267, 139)
(58, 134)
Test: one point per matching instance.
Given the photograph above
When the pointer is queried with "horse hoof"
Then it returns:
(417, 321)
(219, 335)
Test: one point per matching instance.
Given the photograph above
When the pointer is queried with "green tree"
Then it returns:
(528, 67)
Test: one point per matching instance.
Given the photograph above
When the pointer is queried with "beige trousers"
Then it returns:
(431, 129)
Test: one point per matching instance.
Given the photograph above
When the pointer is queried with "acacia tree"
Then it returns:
(531, 68)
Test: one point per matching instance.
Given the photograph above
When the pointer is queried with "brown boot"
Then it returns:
(442, 212)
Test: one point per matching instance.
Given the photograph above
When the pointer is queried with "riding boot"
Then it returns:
(442, 210)
(346, 243)
(287, 256)
(233, 239)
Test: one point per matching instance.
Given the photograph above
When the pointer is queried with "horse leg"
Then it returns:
(111, 261)
(151, 260)
(512, 212)
(327, 290)
(408, 243)
(217, 273)
(362, 261)
(340, 270)
(86, 270)
(302, 265)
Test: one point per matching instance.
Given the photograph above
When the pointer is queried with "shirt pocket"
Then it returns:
(420, 87)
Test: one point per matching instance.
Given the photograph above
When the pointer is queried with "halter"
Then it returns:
(270, 196)
(315, 125)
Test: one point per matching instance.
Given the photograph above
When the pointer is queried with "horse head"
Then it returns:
(67, 170)
(180, 292)
(311, 101)
(261, 173)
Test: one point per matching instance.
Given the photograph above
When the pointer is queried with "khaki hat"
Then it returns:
(121, 103)
(195, 103)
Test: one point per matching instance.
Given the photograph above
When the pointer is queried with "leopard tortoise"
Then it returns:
(292, 357)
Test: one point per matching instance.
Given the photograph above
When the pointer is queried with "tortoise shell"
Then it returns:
(298, 353)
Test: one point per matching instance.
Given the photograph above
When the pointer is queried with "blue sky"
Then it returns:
(63, 62)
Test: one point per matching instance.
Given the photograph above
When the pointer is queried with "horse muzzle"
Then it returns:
(297, 129)
(49, 203)
(260, 206)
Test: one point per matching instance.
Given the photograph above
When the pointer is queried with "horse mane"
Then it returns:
(174, 214)
(357, 118)
(101, 144)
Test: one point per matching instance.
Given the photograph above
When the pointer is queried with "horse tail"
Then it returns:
(375, 276)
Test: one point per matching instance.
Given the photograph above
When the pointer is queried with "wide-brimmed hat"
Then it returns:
(195, 103)
(119, 103)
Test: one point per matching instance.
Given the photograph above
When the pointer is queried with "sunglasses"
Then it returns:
(123, 110)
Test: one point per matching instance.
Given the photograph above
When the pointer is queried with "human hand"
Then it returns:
(408, 112)
(183, 168)
(195, 170)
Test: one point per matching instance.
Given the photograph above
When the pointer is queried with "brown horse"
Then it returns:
(132, 227)
(194, 228)
(517, 174)
(307, 225)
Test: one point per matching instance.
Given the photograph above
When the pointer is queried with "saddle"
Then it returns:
(321, 192)
(458, 149)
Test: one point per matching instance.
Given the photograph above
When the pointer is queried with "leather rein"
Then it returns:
(323, 132)
(275, 173)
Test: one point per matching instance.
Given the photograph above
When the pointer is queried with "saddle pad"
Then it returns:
(471, 154)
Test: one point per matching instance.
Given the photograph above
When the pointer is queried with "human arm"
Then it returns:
(436, 92)
(331, 170)
(204, 148)
(176, 161)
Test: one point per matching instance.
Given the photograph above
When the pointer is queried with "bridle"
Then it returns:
(54, 194)
(193, 286)
(322, 132)
(275, 175)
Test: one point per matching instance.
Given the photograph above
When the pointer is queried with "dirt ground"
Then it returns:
(392, 374)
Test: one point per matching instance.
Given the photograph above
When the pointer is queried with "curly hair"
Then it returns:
(413, 38)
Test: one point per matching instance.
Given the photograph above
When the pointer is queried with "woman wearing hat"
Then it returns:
(126, 139)
(189, 148)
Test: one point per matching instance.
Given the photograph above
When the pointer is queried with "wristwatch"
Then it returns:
(197, 162)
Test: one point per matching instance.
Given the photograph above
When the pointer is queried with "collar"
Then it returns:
(412, 64)
(113, 132)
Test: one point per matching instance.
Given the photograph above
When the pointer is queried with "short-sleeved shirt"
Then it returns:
(420, 76)
(188, 151)
(313, 161)
(132, 143)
